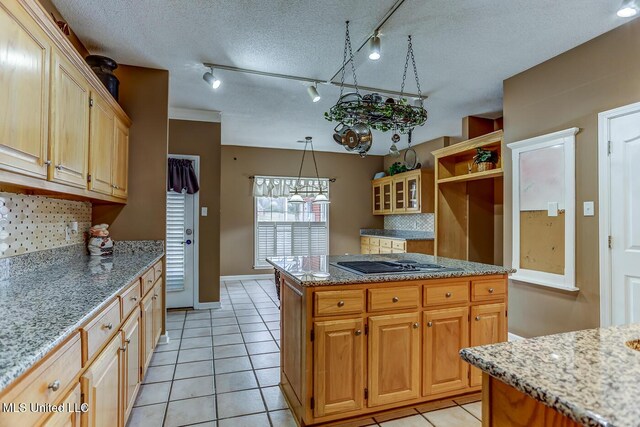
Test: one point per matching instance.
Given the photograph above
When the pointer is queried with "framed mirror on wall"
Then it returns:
(544, 211)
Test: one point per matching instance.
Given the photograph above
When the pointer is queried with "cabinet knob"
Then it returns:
(54, 386)
(340, 303)
(48, 162)
(395, 299)
(108, 326)
(429, 324)
(416, 325)
(128, 341)
(477, 317)
(134, 299)
(448, 295)
(58, 167)
(490, 290)
(123, 349)
(358, 332)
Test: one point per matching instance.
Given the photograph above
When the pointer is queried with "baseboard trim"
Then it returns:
(514, 337)
(246, 277)
(207, 305)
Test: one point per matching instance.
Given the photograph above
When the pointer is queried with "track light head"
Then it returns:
(374, 47)
(211, 79)
(628, 9)
(313, 93)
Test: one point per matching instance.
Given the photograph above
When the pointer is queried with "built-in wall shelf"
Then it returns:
(493, 173)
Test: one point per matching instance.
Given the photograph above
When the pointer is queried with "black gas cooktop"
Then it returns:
(391, 267)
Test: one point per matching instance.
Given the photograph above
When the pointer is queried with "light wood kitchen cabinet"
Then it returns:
(101, 387)
(339, 366)
(24, 85)
(446, 332)
(399, 194)
(157, 311)
(120, 172)
(386, 245)
(147, 330)
(413, 185)
(71, 416)
(376, 196)
(69, 124)
(488, 326)
(404, 193)
(101, 147)
(131, 369)
(387, 196)
(394, 358)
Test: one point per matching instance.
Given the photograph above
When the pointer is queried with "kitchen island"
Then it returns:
(586, 378)
(355, 344)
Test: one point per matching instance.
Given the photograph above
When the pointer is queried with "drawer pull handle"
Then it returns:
(416, 325)
(123, 349)
(395, 299)
(358, 332)
(448, 295)
(477, 318)
(340, 303)
(429, 324)
(490, 290)
(54, 386)
(134, 299)
(127, 341)
(109, 326)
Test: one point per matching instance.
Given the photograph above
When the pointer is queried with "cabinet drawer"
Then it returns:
(384, 250)
(100, 329)
(364, 240)
(147, 280)
(130, 298)
(374, 249)
(374, 241)
(446, 293)
(58, 370)
(482, 290)
(157, 270)
(338, 302)
(393, 298)
(399, 244)
(385, 243)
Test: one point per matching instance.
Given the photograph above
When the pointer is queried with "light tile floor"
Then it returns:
(221, 368)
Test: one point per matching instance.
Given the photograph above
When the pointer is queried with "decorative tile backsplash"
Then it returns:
(421, 222)
(35, 223)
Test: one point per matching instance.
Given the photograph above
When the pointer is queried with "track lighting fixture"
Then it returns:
(313, 93)
(374, 47)
(628, 8)
(211, 79)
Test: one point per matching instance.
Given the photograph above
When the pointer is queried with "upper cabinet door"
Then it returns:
(24, 84)
(399, 195)
(69, 123)
(120, 160)
(387, 197)
(101, 146)
(413, 193)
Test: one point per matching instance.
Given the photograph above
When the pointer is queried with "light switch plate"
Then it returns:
(552, 209)
(589, 209)
(204, 211)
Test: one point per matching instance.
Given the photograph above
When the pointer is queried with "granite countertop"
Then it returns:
(398, 234)
(319, 271)
(590, 376)
(41, 306)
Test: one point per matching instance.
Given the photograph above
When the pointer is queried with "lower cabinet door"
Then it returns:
(394, 358)
(446, 331)
(131, 379)
(488, 326)
(157, 311)
(70, 417)
(147, 330)
(339, 366)
(101, 386)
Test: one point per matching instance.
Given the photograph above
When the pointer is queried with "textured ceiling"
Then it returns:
(464, 50)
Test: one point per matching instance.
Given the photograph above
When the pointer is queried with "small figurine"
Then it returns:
(100, 243)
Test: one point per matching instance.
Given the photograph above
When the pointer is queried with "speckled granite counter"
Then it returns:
(45, 296)
(398, 234)
(590, 376)
(318, 271)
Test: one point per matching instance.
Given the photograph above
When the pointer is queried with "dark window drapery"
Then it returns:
(182, 176)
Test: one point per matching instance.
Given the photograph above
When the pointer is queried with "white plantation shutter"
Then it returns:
(276, 239)
(175, 256)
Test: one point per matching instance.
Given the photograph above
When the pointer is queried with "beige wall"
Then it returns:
(144, 95)
(350, 199)
(203, 139)
(566, 91)
(423, 150)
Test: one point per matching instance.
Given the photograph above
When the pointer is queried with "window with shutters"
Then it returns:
(289, 229)
(175, 249)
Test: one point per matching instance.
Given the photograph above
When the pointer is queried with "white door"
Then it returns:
(623, 130)
(181, 244)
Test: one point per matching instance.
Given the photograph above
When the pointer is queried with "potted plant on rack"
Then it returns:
(485, 159)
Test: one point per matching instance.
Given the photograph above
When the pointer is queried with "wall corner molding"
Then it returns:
(196, 115)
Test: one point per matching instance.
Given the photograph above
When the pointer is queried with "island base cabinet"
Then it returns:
(101, 384)
(445, 333)
(339, 366)
(71, 416)
(488, 326)
(394, 358)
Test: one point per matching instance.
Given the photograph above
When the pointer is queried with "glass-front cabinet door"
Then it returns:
(412, 196)
(399, 194)
(387, 197)
(377, 199)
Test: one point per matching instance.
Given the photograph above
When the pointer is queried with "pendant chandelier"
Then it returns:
(357, 115)
(299, 189)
